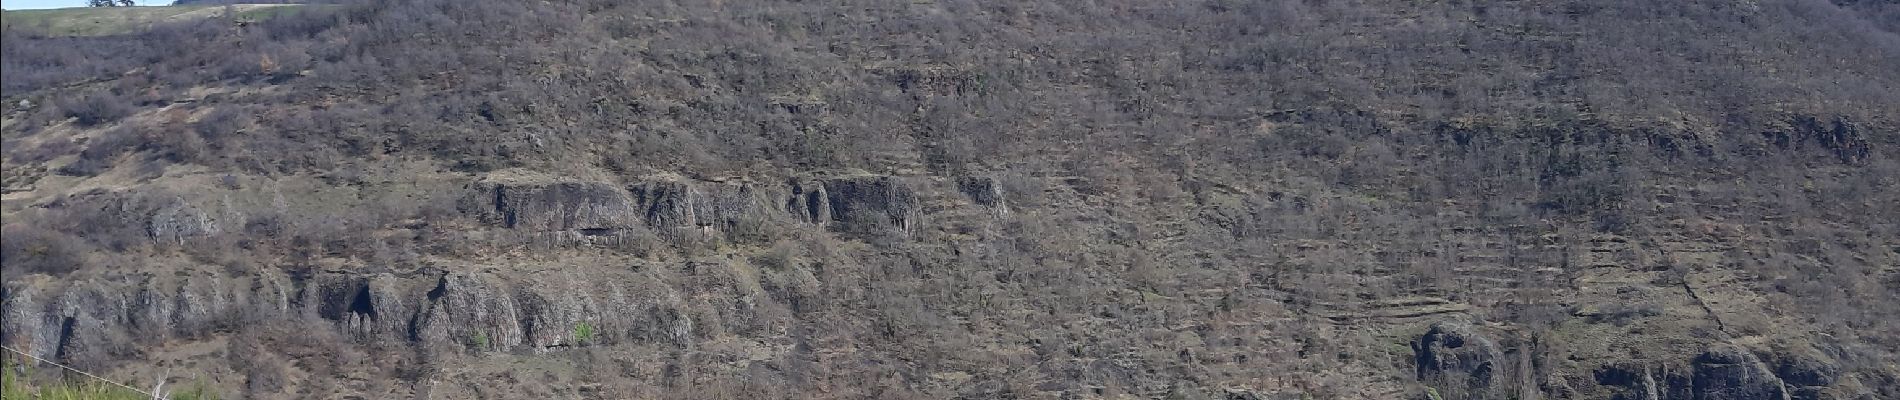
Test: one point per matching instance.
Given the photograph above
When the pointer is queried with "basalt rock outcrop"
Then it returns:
(873, 200)
(163, 218)
(1721, 372)
(84, 318)
(1808, 374)
(553, 206)
(1459, 362)
(709, 205)
(985, 191)
(1727, 372)
(841, 203)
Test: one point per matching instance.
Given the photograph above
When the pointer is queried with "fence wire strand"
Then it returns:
(88, 374)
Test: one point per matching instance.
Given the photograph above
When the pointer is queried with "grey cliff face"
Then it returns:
(484, 311)
(1721, 372)
(1458, 361)
(559, 206)
(1727, 372)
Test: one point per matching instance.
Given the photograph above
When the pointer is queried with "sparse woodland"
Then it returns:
(1377, 199)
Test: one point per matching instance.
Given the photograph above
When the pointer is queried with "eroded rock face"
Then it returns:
(492, 313)
(855, 199)
(557, 205)
(99, 317)
(1841, 137)
(840, 203)
(711, 205)
(366, 305)
(161, 217)
(1808, 374)
(809, 202)
(1460, 363)
(1727, 372)
(984, 191)
(180, 220)
(474, 310)
(1638, 381)
(1722, 372)
(86, 316)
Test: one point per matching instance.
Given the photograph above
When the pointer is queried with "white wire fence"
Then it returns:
(156, 393)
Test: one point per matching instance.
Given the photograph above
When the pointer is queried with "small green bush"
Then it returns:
(10, 385)
(583, 333)
(479, 340)
(197, 391)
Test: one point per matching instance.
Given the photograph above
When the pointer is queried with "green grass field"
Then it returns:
(97, 21)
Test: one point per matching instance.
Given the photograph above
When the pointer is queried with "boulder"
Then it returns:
(1459, 362)
(180, 220)
(984, 191)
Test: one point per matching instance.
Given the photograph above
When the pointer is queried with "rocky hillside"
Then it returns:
(1542, 199)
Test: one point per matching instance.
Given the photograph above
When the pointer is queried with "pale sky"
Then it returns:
(38, 4)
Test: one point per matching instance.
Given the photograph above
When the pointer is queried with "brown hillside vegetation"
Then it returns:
(1283, 199)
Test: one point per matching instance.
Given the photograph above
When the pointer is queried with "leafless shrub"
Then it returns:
(26, 249)
(45, 151)
(96, 108)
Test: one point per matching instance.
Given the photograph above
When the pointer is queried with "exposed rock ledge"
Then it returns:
(561, 205)
(80, 317)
